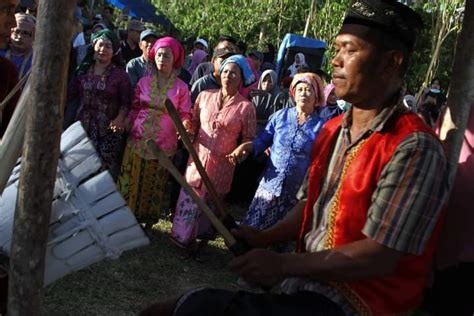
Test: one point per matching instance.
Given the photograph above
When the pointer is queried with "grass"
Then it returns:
(139, 277)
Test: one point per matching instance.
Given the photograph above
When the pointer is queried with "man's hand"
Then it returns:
(259, 267)
(254, 237)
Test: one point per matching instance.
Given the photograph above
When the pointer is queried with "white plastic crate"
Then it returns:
(89, 221)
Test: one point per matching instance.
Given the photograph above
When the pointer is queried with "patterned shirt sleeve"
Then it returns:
(125, 91)
(410, 194)
(249, 127)
(196, 113)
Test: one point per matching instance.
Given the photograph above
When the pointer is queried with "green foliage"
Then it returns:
(248, 20)
(259, 21)
(327, 24)
(434, 52)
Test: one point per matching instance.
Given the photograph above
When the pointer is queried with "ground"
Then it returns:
(139, 277)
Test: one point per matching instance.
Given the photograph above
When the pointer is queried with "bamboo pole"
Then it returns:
(309, 17)
(187, 142)
(166, 162)
(12, 141)
(40, 155)
(460, 99)
(238, 247)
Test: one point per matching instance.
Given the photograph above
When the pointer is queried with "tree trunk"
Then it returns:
(40, 155)
(309, 18)
(280, 18)
(460, 100)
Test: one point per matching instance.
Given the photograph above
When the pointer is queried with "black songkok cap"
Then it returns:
(389, 16)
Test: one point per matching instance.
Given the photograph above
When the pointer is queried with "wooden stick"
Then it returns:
(220, 227)
(14, 90)
(189, 145)
(12, 141)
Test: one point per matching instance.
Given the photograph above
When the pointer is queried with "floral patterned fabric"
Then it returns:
(143, 180)
(101, 98)
(290, 154)
(218, 133)
(219, 130)
(142, 183)
(145, 113)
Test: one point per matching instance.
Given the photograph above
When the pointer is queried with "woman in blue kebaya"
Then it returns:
(289, 134)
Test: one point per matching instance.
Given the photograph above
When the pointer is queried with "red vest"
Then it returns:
(402, 290)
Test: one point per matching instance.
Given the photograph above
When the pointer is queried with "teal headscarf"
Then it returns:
(89, 58)
(247, 75)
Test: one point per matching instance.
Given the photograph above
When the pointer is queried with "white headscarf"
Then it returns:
(293, 69)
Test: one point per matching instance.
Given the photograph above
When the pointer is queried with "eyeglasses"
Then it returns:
(23, 33)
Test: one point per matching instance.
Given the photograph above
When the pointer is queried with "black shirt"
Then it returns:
(128, 53)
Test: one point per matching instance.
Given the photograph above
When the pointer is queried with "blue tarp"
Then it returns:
(141, 9)
(292, 40)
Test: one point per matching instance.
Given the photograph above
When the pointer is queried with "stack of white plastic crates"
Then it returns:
(90, 220)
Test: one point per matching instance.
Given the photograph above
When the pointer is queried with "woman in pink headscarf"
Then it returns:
(143, 180)
(331, 108)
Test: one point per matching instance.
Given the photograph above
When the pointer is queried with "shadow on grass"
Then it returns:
(139, 277)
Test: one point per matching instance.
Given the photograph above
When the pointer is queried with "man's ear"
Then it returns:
(394, 60)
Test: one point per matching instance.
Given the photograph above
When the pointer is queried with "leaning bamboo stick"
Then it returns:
(14, 90)
(187, 142)
(12, 141)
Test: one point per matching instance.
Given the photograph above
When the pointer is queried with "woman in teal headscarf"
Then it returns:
(104, 93)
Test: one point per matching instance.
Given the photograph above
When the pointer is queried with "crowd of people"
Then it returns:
(349, 172)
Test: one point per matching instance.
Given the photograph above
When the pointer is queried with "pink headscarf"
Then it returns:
(176, 48)
(314, 81)
(327, 91)
(198, 57)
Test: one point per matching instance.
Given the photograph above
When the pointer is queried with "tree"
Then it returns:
(327, 24)
(434, 54)
(40, 156)
(460, 100)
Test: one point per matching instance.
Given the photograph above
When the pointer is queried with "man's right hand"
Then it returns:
(255, 238)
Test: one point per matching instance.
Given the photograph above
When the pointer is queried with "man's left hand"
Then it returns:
(259, 267)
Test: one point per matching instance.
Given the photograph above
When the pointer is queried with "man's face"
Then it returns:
(216, 63)
(7, 19)
(134, 35)
(147, 44)
(228, 45)
(357, 68)
(107, 13)
(21, 39)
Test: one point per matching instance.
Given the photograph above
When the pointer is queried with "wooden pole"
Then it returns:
(189, 145)
(309, 17)
(40, 155)
(10, 146)
(237, 246)
(461, 97)
(166, 162)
